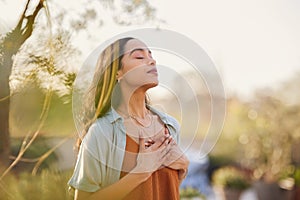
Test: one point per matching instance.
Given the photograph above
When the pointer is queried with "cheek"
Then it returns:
(134, 75)
(129, 65)
(138, 77)
(132, 70)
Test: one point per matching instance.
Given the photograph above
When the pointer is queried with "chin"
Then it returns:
(154, 84)
(150, 85)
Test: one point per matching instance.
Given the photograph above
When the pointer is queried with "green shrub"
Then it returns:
(230, 177)
(297, 177)
(187, 193)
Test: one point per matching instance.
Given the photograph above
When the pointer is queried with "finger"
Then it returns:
(168, 148)
(170, 138)
(166, 130)
(165, 148)
(150, 141)
(158, 143)
(167, 135)
(165, 154)
(147, 144)
(165, 138)
(172, 141)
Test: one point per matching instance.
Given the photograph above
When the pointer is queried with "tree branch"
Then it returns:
(19, 25)
(27, 30)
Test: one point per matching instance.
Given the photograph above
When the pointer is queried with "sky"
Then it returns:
(253, 43)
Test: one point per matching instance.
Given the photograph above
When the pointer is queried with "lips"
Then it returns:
(152, 71)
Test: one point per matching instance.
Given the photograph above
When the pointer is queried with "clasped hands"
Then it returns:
(161, 151)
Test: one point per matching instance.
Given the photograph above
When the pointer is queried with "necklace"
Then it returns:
(145, 122)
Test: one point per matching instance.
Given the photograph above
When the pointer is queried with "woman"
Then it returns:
(130, 150)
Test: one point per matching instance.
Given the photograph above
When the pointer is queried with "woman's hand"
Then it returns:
(176, 159)
(151, 158)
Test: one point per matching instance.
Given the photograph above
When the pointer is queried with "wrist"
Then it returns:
(141, 176)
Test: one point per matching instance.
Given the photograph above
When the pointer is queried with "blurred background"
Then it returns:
(254, 45)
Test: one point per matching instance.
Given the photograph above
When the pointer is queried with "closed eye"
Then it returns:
(140, 53)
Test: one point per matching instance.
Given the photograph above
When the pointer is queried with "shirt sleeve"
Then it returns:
(89, 169)
(87, 172)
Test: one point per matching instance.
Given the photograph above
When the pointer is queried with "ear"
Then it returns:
(119, 74)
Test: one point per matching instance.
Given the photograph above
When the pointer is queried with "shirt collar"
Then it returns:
(113, 115)
(163, 116)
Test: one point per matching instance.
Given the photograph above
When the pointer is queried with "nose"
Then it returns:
(152, 61)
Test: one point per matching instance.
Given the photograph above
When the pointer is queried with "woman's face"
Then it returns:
(138, 67)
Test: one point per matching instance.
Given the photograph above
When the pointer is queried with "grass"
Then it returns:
(49, 185)
(44, 186)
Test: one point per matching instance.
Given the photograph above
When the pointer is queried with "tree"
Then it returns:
(12, 42)
(10, 45)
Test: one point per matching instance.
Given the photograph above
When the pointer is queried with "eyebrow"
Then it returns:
(139, 49)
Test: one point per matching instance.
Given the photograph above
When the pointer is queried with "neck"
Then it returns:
(135, 104)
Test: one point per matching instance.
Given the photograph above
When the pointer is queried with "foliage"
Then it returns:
(269, 141)
(48, 62)
(190, 193)
(37, 149)
(218, 160)
(52, 185)
(297, 177)
(46, 185)
(134, 11)
(260, 134)
(90, 15)
(231, 178)
(25, 110)
(237, 124)
(37, 52)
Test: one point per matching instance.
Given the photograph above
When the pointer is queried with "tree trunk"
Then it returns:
(5, 71)
(9, 47)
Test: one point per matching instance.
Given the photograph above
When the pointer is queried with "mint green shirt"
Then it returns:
(101, 153)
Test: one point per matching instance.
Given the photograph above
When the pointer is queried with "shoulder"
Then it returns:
(167, 119)
(98, 136)
(101, 127)
(173, 122)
